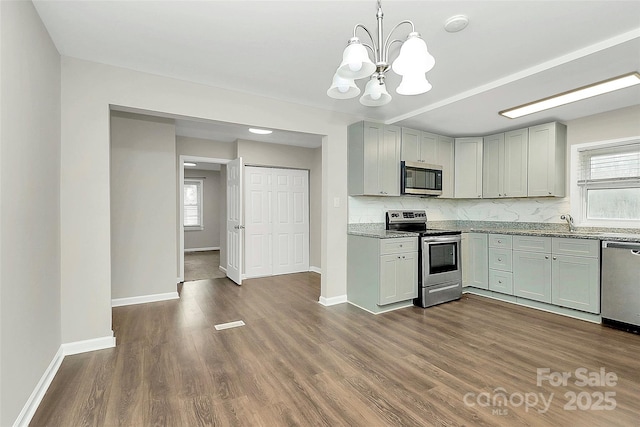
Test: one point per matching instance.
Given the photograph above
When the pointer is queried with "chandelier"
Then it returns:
(413, 61)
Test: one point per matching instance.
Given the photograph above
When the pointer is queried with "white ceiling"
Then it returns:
(511, 53)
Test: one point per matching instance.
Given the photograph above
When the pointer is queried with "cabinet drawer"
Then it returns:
(532, 244)
(575, 247)
(501, 281)
(500, 241)
(500, 259)
(394, 246)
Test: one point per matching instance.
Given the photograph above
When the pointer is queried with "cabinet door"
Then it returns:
(516, 145)
(408, 276)
(445, 157)
(546, 162)
(389, 161)
(468, 168)
(398, 278)
(493, 165)
(478, 261)
(429, 148)
(576, 283)
(410, 147)
(373, 151)
(532, 275)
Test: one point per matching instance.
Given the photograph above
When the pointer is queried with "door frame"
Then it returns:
(181, 160)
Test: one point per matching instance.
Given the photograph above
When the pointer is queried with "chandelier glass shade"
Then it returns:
(412, 63)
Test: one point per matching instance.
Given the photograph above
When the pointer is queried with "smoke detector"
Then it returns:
(456, 23)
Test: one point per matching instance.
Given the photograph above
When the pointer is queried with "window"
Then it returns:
(193, 204)
(608, 181)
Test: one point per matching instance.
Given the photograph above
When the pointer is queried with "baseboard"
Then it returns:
(77, 347)
(213, 248)
(30, 407)
(224, 270)
(143, 299)
(315, 269)
(333, 300)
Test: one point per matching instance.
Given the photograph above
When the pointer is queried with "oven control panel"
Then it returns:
(401, 216)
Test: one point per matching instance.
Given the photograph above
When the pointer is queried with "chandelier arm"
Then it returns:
(370, 48)
(386, 52)
(387, 44)
(355, 29)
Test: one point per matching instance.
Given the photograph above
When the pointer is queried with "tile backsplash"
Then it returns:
(363, 209)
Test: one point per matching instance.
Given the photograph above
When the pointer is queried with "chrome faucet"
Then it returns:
(569, 220)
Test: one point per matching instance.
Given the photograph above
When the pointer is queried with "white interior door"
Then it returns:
(277, 221)
(259, 221)
(234, 220)
(291, 221)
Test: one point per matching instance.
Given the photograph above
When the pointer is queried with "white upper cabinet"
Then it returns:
(425, 147)
(419, 146)
(493, 166)
(516, 146)
(374, 159)
(546, 160)
(468, 168)
(445, 158)
(504, 171)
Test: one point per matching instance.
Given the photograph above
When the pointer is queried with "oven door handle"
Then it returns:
(439, 239)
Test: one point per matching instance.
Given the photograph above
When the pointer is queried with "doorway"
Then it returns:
(201, 224)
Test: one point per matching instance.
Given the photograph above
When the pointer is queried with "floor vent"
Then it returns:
(229, 325)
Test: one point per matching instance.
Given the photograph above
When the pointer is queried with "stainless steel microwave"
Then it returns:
(421, 179)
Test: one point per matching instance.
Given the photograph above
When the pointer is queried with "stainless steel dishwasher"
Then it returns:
(621, 285)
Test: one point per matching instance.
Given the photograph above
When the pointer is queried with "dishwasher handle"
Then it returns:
(634, 247)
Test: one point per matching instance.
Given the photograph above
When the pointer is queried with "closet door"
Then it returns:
(291, 221)
(277, 221)
(258, 222)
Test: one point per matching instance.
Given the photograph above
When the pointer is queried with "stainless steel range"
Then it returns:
(439, 266)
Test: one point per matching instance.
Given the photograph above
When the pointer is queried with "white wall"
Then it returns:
(611, 125)
(143, 206)
(30, 315)
(213, 209)
(87, 91)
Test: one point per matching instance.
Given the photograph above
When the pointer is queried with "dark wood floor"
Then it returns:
(299, 363)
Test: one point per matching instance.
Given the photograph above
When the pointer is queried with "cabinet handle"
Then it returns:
(499, 195)
(499, 281)
(499, 259)
(546, 257)
(505, 194)
(479, 195)
(499, 241)
(550, 193)
(554, 258)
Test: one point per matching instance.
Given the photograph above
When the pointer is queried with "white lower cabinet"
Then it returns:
(500, 264)
(475, 260)
(576, 280)
(382, 274)
(552, 276)
(398, 277)
(532, 275)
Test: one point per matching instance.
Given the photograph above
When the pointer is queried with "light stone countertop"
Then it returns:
(377, 230)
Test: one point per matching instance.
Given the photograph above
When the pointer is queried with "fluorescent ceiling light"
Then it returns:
(189, 164)
(260, 131)
(574, 95)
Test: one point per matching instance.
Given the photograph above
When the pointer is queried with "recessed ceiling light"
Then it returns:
(456, 23)
(189, 164)
(584, 92)
(260, 131)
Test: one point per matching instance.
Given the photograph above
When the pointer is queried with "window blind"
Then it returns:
(616, 166)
